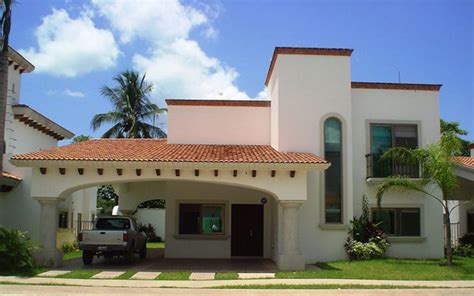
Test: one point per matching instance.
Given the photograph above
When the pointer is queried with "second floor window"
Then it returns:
(383, 137)
(333, 175)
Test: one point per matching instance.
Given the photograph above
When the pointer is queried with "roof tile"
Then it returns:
(148, 150)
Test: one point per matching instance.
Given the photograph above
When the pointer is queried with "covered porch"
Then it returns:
(254, 192)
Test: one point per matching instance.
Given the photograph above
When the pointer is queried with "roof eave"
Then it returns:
(168, 164)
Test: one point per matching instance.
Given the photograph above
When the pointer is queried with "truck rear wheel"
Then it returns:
(87, 257)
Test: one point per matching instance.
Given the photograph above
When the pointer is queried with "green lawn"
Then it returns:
(226, 276)
(126, 275)
(174, 276)
(155, 245)
(80, 274)
(72, 255)
(390, 269)
(33, 272)
(321, 286)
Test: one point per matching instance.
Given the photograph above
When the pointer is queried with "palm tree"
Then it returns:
(436, 163)
(132, 109)
(6, 24)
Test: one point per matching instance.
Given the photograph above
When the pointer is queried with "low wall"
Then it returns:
(155, 217)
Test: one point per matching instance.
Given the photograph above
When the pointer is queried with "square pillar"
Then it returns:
(49, 255)
(289, 257)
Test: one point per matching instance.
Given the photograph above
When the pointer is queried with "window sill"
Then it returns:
(201, 236)
(327, 226)
(406, 239)
(377, 181)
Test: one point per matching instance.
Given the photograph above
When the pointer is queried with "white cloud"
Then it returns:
(74, 94)
(71, 47)
(156, 21)
(175, 63)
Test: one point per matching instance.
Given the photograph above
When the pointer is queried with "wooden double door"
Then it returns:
(247, 230)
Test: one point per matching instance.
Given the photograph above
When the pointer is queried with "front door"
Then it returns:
(247, 230)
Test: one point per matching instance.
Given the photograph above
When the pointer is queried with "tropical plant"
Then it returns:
(152, 204)
(5, 22)
(15, 251)
(436, 163)
(132, 109)
(453, 128)
(366, 239)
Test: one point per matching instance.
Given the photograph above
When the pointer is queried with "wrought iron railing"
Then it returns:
(83, 225)
(382, 168)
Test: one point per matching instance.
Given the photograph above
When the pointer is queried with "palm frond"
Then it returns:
(115, 131)
(99, 119)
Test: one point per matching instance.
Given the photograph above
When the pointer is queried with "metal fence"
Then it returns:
(83, 225)
(382, 168)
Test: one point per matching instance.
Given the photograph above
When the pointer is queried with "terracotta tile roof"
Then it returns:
(151, 150)
(403, 86)
(465, 160)
(230, 103)
(11, 176)
(305, 51)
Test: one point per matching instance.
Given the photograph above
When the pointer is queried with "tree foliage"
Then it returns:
(80, 138)
(453, 128)
(106, 198)
(152, 204)
(132, 109)
(15, 251)
(437, 169)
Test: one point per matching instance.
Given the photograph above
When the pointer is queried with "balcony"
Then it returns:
(378, 169)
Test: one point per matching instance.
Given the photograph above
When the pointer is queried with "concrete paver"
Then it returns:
(52, 273)
(145, 275)
(107, 274)
(202, 276)
(256, 275)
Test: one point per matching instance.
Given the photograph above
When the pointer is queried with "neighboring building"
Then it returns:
(462, 217)
(278, 179)
(26, 130)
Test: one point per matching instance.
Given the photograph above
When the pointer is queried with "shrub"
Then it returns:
(69, 247)
(15, 251)
(467, 239)
(150, 232)
(464, 250)
(366, 239)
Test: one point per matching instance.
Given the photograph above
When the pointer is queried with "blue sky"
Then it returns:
(222, 49)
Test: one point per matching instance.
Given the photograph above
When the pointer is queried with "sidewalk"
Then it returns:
(219, 283)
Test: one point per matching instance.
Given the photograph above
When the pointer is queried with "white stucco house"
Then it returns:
(26, 131)
(279, 178)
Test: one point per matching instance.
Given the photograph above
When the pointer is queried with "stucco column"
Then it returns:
(290, 258)
(49, 255)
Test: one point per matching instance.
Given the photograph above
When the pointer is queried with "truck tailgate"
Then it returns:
(103, 237)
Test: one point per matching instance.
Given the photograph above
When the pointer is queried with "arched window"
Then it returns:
(333, 177)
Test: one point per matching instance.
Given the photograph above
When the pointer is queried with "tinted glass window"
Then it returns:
(113, 224)
(333, 175)
(398, 222)
(201, 219)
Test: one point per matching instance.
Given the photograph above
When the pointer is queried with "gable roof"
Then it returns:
(158, 150)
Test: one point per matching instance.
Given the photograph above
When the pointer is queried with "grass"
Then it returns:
(174, 276)
(33, 272)
(321, 286)
(72, 255)
(80, 274)
(390, 269)
(126, 275)
(226, 276)
(155, 245)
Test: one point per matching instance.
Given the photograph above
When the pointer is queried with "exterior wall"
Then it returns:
(155, 217)
(180, 246)
(12, 99)
(306, 90)
(218, 125)
(17, 209)
(398, 106)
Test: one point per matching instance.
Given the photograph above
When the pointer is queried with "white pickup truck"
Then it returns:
(112, 236)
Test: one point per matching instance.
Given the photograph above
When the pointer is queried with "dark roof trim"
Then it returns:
(38, 121)
(219, 103)
(400, 86)
(305, 51)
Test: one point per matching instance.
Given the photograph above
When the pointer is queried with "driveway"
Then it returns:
(156, 262)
